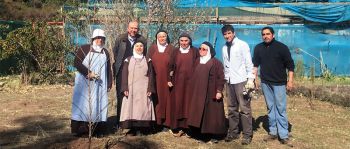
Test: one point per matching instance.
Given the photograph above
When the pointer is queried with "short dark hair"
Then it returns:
(269, 28)
(226, 28)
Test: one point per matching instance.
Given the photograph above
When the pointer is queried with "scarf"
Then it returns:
(97, 48)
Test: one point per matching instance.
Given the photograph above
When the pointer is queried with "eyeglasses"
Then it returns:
(202, 49)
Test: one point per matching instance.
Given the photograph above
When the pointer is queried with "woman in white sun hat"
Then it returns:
(92, 82)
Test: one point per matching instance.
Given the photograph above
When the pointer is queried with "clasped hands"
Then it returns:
(92, 75)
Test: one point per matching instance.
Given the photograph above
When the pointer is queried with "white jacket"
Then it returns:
(240, 67)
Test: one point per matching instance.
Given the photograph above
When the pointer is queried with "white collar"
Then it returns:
(182, 50)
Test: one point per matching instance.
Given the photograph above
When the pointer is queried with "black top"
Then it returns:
(273, 58)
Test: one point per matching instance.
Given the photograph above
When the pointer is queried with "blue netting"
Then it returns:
(327, 41)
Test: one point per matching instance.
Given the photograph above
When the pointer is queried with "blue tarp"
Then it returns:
(322, 11)
(331, 12)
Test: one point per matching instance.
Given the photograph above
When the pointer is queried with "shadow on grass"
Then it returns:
(265, 124)
(133, 143)
(35, 132)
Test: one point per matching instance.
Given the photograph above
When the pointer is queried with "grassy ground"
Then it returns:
(39, 117)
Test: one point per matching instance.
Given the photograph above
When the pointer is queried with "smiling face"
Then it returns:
(138, 48)
(161, 37)
(184, 42)
(133, 28)
(203, 50)
(229, 35)
(267, 36)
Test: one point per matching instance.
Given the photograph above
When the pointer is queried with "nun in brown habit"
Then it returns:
(161, 53)
(183, 61)
(206, 108)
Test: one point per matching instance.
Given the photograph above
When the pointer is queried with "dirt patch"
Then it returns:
(39, 117)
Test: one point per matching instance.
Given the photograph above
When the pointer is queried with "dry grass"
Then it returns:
(40, 118)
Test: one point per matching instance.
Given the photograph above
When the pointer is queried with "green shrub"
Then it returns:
(37, 49)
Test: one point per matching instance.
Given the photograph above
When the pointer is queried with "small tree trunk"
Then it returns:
(24, 74)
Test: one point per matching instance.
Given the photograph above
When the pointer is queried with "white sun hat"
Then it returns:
(98, 32)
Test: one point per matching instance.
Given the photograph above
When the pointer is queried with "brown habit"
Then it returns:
(183, 70)
(162, 65)
(205, 112)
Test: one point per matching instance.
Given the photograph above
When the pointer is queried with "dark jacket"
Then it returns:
(120, 48)
(273, 58)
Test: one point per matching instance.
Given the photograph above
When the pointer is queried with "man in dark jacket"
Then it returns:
(274, 58)
(123, 49)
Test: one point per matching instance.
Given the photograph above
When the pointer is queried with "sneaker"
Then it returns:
(246, 141)
(270, 138)
(230, 137)
(213, 141)
(286, 142)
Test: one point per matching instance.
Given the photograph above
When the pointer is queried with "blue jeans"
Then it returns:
(276, 102)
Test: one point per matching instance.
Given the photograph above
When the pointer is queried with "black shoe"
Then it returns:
(138, 133)
(230, 138)
(131, 132)
(286, 142)
(246, 141)
(165, 129)
(270, 138)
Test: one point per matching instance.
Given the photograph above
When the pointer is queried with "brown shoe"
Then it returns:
(179, 134)
(270, 138)
(286, 142)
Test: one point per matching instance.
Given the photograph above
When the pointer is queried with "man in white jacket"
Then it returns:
(239, 76)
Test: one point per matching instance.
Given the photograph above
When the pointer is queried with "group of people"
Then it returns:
(180, 89)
